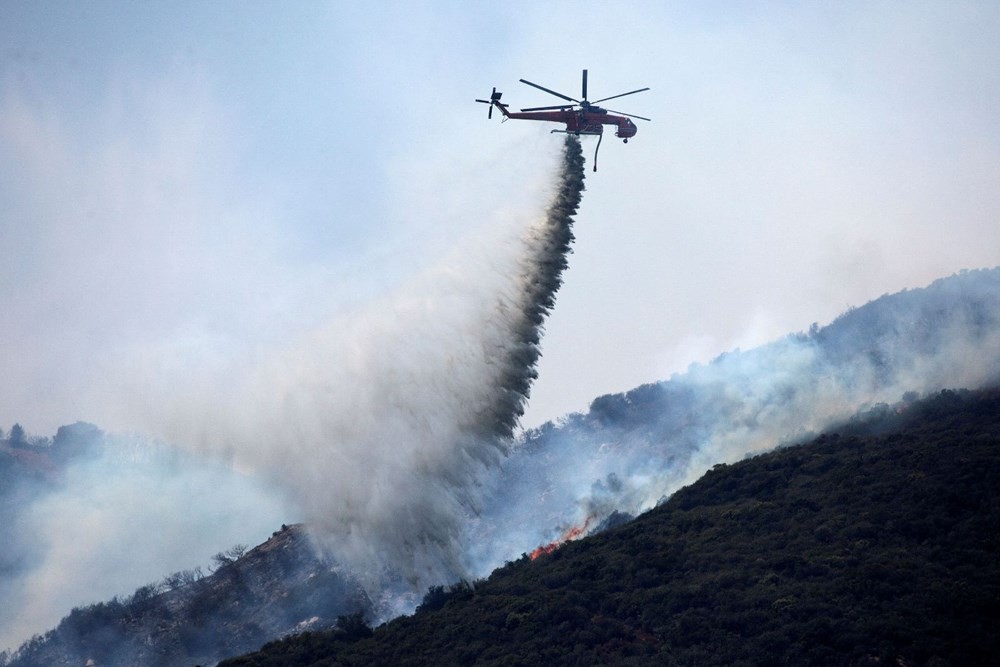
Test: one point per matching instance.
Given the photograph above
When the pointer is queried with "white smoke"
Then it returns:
(119, 520)
(372, 426)
(377, 424)
(629, 451)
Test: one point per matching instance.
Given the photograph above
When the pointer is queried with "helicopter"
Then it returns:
(580, 117)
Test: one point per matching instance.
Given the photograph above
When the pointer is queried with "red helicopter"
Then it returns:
(580, 117)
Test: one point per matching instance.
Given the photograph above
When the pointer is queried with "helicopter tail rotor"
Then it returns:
(494, 99)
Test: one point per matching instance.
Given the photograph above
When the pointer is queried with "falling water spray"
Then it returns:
(469, 390)
(379, 426)
(547, 256)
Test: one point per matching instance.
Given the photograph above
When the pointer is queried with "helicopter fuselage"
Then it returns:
(590, 121)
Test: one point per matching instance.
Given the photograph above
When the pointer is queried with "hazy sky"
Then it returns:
(183, 184)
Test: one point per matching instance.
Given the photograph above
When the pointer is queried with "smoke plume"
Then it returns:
(374, 428)
(117, 512)
(629, 451)
(377, 425)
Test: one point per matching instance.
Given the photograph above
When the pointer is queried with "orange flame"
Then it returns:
(572, 533)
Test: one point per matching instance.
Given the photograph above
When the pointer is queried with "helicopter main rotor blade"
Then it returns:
(631, 92)
(550, 92)
(584, 84)
(630, 115)
(559, 107)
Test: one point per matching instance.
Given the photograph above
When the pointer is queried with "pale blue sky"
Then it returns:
(177, 177)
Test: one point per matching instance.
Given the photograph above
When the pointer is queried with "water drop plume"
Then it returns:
(378, 425)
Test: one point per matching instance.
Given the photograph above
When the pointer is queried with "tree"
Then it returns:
(237, 551)
(142, 598)
(353, 626)
(230, 555)
(76, 439)
(191, 576)
(17, 436)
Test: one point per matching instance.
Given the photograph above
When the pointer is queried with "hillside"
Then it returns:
(272, 590)
(626, 454)
(630, 450)
(876, 544)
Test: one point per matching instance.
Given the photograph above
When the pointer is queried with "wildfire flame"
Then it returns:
(572, 533)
